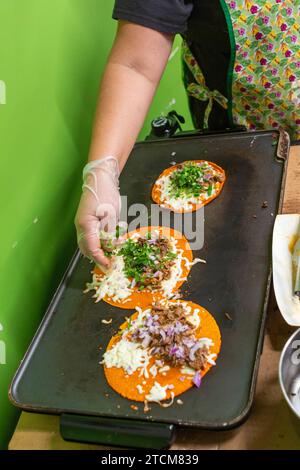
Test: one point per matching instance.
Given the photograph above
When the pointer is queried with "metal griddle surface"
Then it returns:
(61, 371)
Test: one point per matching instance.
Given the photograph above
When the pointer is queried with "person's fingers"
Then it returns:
(94, 254)
(93, 250)
(90, 219)
(100, 259)
(88, 240)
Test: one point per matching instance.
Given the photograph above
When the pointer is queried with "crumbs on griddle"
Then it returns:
(146, 407)
(228, 316)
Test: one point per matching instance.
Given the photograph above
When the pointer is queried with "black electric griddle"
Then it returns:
(60, 373)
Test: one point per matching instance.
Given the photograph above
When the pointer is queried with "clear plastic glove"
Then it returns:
(99, 207)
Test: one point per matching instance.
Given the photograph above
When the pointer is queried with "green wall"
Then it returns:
(52, 54)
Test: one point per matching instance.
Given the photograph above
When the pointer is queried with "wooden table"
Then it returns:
(271, 424)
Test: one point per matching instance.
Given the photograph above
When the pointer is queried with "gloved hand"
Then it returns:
(99, 207)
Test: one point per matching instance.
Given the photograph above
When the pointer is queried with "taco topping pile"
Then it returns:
(148, 260)
(169, 333)
(162, 351)
(188, 185)
(145, 264)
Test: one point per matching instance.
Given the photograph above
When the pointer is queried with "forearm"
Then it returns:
(124, 100)
(132, 74)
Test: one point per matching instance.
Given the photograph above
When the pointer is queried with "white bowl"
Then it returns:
(286, 228)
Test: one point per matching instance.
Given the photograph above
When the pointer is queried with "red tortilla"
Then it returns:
(125, 384)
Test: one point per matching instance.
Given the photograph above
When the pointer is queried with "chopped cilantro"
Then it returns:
(118, 231)
(189, 180)
(209, 191)
(142, 260)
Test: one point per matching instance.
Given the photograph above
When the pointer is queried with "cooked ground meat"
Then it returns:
(169, 314)
(171, 336)
(219, 178)
(200, 361)
(163, 246)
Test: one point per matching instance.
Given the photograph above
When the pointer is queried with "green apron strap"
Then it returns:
(198, 89)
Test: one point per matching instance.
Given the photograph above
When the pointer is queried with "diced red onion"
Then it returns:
(173, 350)
(179, 328)
(197, 379)
(179, 353)
(170, 331)
(188, 342)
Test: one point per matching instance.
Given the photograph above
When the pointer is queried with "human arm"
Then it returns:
(132, 74)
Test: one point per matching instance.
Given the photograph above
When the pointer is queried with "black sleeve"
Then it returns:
(167, 16)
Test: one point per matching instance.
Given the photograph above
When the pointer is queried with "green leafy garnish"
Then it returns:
(120, 231)
(143, 260)
(190, 180)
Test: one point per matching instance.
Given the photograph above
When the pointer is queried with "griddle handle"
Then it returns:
(116, 432)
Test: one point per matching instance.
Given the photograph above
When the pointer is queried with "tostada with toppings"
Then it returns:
(152, 263)
(187, 186)
(162, 351)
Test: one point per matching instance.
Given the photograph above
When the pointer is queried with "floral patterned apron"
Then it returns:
(263, 70)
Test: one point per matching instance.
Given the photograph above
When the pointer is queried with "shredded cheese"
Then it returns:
(127, 355)
(140, 389)
(157, 393)
(113, 283)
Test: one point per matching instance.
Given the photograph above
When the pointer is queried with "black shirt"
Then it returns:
(204, 26)
(167, 16)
